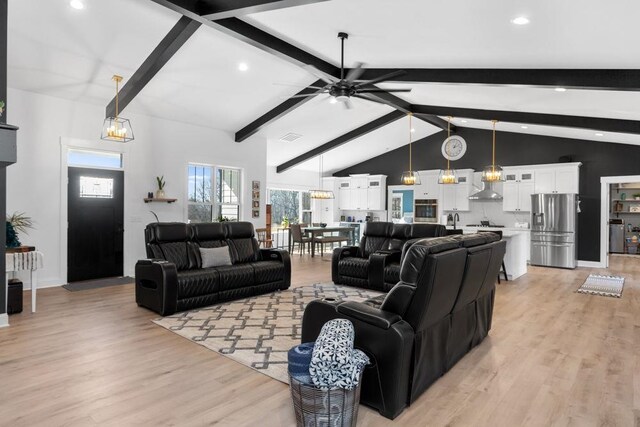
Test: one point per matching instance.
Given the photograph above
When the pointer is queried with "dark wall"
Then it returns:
(515, 149)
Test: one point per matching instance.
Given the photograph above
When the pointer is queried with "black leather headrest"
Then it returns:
(400, 231)
(209, 231)
(239, 230)
(492, 236)
(417, 255)
(471, 240)
(427, 230)
(165, 232)
(377, 229)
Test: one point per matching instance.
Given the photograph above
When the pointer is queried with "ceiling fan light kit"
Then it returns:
(117, 128)
(448, 176)
(410, 177)
(493, 172)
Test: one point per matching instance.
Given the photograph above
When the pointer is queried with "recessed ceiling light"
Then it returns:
(333, 100)
(243, 66)
(520, 20)
(524, 127)
(599, 134)
(77, 4)
(560, 89)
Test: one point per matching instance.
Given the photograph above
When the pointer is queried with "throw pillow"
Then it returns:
(215, 257)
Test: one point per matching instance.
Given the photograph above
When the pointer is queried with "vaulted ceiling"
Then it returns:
(59, 51)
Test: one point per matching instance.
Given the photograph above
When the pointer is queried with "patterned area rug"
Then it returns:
(608, 286)
(258, 331)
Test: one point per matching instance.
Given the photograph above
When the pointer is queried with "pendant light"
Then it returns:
(117, 128)
(493, 173)
(321, 194)
(448, 175)
(410, 177)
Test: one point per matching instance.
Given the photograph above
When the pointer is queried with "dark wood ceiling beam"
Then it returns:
(560, 120)
(170, 44)
(349, 136)
(274, 114)
(592, 79)
(220, 9)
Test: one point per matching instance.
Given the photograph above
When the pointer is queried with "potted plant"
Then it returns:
(17, 222)
(161, 183)
(285, 222)
(636, 196)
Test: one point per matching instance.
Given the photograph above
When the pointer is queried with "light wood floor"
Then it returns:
(553, 357)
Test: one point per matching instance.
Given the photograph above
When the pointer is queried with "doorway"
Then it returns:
(95, 232)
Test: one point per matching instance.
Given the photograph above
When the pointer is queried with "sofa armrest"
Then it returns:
(373, 316)
(157, 285)
(377, 263)
(282, 256)
(338, 254)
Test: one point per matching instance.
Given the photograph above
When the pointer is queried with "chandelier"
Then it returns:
(117, 128)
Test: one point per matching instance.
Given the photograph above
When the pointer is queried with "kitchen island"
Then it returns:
(515, 259)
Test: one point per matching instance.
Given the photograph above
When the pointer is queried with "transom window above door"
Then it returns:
(94, 159)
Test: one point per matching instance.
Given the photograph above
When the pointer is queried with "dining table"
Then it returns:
(314, 232)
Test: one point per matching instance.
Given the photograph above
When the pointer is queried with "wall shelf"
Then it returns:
(626, 200)
(153, 199)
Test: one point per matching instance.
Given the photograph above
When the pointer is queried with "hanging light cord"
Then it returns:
(448, 136)
(493, 164)
(410, 141)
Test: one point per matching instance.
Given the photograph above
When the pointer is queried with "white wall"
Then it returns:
(161, 147)
(292, 179)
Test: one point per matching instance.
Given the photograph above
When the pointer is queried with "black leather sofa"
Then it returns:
(173, 280)
(439, 310)
(375, 263)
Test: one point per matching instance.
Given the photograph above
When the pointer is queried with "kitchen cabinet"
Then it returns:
(455, 197)
(344, 195)
(376, 188)
(517, 189)
(429, 187)
(557, 179)
(363, 193)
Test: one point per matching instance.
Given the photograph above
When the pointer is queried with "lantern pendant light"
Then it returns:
(493, 173)
(448, 175)
(410, 177)
(321, 194)
(117, 128)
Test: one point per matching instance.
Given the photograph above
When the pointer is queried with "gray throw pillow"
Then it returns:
(215, 257)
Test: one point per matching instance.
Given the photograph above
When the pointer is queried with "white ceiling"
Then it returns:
(58, 51)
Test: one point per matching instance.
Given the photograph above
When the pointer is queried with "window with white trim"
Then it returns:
(213, 193)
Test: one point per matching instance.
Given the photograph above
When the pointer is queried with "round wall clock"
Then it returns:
(454, 147)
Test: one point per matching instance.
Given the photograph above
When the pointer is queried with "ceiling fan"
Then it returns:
(347, 87)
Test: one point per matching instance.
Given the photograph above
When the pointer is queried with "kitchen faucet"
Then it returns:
(456, 218)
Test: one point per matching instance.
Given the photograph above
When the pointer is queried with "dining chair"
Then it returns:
(263, 240)
(297, 237)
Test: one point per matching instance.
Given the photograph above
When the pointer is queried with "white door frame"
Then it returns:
(71, 143)
(605, 186)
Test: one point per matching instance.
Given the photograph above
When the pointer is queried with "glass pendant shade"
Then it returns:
(117, 129)
(321, 194)
(447, 176)
(492, 173)
(410, 178)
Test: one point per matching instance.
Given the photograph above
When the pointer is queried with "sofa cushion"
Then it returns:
(354, 267)
(242, 241)
(375, 238)
(214, 257)
(193, 283)
(169, 241)
(210, 234)
(399, 235)
(268, 271)
(392, 273)
(235, 276)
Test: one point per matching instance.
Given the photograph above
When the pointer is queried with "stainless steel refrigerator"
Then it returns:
(554, 230)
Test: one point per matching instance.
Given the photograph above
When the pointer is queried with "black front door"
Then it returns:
(96, 218)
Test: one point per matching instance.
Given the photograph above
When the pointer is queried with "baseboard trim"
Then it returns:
(4, 320)
(591, 264)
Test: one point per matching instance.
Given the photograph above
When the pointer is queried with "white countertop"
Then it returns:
(506, 231)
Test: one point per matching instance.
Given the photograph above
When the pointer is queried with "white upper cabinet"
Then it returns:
(428, 188)
(517, 189)
(363, 193)
(455, 197)
(558, 179)
(376, 193)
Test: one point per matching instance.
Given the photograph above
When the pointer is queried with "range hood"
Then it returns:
(486, 193)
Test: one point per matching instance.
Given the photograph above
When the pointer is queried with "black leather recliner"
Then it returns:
(173, 280)
(375, 263)
(436, 313)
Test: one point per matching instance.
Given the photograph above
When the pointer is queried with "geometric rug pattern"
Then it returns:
(257, 331)
(608, 286)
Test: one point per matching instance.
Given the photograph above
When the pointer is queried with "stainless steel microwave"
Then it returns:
(425, 210)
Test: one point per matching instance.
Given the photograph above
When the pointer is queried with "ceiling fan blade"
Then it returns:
(298, 86)
(355, 72)
(382, 78)
(301, 96)
(348, 104)
(381, 90)
(328, 78)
